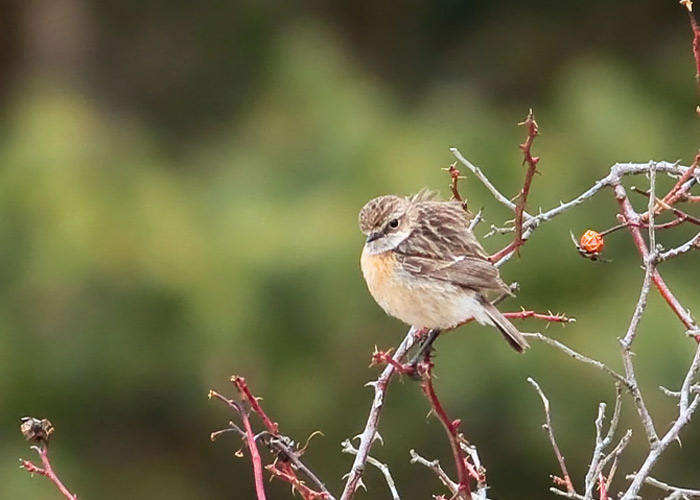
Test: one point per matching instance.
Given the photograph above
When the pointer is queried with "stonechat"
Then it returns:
(424, 266)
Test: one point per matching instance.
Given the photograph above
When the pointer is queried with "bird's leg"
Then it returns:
(424, 350)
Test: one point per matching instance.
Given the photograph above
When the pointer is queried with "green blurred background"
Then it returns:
(179, 186)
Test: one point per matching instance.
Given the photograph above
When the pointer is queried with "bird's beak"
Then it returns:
(373, 236)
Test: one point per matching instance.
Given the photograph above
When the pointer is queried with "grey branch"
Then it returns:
(383, 468)
(370, 431)
(550, 432)
(435, 466)
(599, 459)
(691, 244)
(627, 354)
(578, 356)
(681, 493)
(485, 181)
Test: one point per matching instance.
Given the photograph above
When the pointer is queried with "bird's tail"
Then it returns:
(512, 334)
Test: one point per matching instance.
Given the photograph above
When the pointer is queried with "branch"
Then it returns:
(598, 461)
(531, 161)
(370, 431)
(578, 356)
(566, 480)
(39, 431)
(550, 317)
(451, 429)
(434, 465)
(383, 468)
(485, 181)
(684, 492)
(692, 244)
(632, 221)
(286, 452)
(250, 441)
(655, 453)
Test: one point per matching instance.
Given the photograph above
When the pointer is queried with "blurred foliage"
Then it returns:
(179, 191)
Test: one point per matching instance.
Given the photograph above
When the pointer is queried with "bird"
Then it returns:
(424, 266)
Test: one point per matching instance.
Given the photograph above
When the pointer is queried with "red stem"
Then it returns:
(531, 161)
(48, 472)
(285, 472)
(254, 456)
(602, 487)
(510, 248)
(631, 219)
(696, 39)
(240, 383)
(452, 435)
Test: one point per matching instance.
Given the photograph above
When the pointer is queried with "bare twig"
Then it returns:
(531, 161)
(479, 470)
(383, 468)
(455, 177)
(434, 465)
(550, 317)
(550, 432)
(485, 181)
(451, 429)
(250, 441)
(691, 244)
(578, 356)
(602, 442)
(370, 431)
(683, 492)
(656, 451)
(47, 471)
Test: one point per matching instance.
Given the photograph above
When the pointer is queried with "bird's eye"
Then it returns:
(394, 223)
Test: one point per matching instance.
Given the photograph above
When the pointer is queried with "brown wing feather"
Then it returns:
(442, 247)
(470, 272)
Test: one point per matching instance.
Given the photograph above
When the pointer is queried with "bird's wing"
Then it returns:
(466, 271)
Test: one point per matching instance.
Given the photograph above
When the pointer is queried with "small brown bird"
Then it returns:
(424, 266)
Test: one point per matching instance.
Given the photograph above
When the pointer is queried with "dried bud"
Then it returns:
(36, 430)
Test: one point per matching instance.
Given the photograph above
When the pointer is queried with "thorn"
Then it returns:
(361, 484)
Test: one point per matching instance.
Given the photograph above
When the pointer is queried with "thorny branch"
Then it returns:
(287, 455)
(566, 479)
(531, 161)
(604, 463)
(524, 225)
(383, 468)
(370, 432)
(452, 430)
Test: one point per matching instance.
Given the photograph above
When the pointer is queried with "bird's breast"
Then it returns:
(415, 300)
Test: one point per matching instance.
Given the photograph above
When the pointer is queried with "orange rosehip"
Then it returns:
(592, 242)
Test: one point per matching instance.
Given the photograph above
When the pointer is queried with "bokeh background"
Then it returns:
(179, 186)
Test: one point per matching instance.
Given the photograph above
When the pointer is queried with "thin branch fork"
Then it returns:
(566, 479)
(435, 466)
(382, 467)
(631, 219)
(282, 467)
(46, 470)
(660, 206)
(250, 441)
